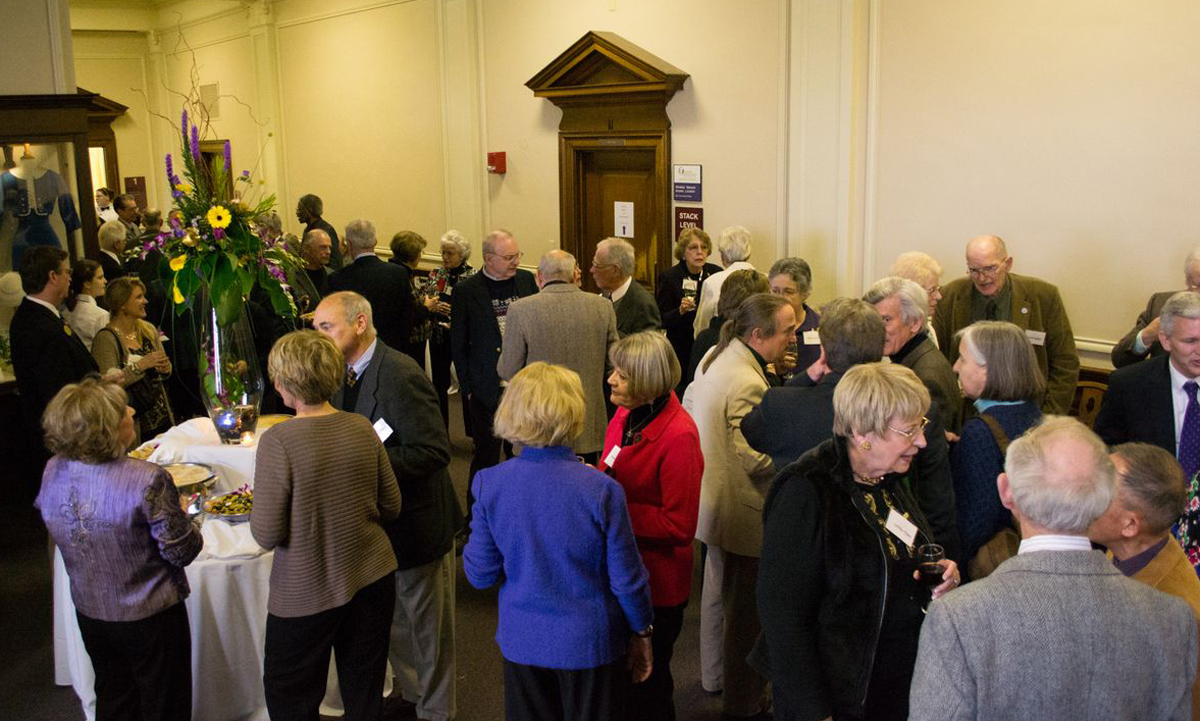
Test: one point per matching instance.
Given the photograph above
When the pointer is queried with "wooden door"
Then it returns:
(609, 176)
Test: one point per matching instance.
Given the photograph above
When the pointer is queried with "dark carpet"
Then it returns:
(27, 689)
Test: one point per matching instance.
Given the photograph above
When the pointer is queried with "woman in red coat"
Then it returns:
(652, 449)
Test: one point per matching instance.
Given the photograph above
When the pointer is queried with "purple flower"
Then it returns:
(196, 142)
(177, 194)
(171, 172)
(228, 160)
(245, 173)
(178, 232)
(218, 233)
(183, 120)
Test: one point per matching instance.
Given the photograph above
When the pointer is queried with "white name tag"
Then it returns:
(689, 284)
(1036, 337)
(383, 430)
(901, 527)
(611, 458)
(811, 337)
(448, 290)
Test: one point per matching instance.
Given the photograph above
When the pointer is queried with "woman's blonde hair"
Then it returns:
(308, 365)
(119, 290)
(649, 361)
(870, 395)
(407, 246)
(82, 422)
(542, 406)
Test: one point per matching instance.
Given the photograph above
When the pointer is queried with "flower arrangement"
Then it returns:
(215, 246)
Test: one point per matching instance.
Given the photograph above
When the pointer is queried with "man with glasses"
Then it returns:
(612, 269)
(991, 292)
(1142, 342)
(478, 311)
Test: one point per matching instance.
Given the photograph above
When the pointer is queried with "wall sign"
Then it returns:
(623, 219)
(687, 183)
(688, 218)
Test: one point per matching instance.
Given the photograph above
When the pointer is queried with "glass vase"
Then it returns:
(231, 382)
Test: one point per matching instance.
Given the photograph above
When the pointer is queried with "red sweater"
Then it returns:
(661, 477)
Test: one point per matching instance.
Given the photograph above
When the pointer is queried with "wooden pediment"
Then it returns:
(603, 67)
(101, 107)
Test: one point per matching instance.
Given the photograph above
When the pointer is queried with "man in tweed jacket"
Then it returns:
(566, 326)
(1056, 632)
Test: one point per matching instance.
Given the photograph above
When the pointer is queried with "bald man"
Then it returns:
(990, 291)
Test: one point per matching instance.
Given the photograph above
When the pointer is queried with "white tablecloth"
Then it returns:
(196, 441)
(227, 607)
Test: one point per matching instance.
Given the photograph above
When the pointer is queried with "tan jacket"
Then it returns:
(736, 477)
(565, 326)
(1171, 572)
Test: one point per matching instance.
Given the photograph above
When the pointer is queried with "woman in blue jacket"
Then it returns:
(575, 612)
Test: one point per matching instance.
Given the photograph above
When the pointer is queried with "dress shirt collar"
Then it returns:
(44, 304)
(364, 254)
(620, 292)
(1179, 397)
(1052, 542)
(112, 255)
(364, 360)
(491, 277)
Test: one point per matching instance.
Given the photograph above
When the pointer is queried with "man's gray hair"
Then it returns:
(360, 236)
(312, 204)
(557, 265)
(914, 301)
(111, 233)
(489, 242)
(1193, 259)
(152, 217)
(353, 305)
(310, 236)
(620, 253)
(1184, 304)
(271, 221)
(795, 268)
(458, 240)
(734, 244)
(1050, 485)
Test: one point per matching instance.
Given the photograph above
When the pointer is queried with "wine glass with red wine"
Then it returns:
(929, 557)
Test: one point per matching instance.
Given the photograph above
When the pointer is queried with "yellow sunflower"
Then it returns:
(177, 262)
(218, 217)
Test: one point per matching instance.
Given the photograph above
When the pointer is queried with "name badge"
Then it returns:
(448, 290)
(901, 527)
(383, 430)
(611, 458)
(689, 284)
(811, 337)
(1036, 337)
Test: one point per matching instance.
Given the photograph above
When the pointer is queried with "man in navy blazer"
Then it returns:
(386, 286)
(477, 314)
(46, 354)
(799, 416)
(1146, 401)
(389, 388)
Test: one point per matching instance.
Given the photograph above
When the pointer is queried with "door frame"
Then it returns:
(571, 150)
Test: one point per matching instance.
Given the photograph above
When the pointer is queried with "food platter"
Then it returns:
(232, 507)
(191, 477)
(271, 419)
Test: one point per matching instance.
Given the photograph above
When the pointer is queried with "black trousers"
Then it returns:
(297, 656)
(440, 358)
(143, 668)
(654, 698)
(533, 693)
(487, 445)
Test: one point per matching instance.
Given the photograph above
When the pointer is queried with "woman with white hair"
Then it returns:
(734, 249)
(456, 249)
(575, 613)
(838, 598)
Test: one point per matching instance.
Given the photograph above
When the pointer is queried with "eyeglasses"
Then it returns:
(984, 272)
(509, 258)
(935, 290)
(912, 435)
(603, 265)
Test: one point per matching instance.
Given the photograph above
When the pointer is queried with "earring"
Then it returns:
(864, 446)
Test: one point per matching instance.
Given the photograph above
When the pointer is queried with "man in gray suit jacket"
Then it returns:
(564, 325)
(389, 388)
(612, 269)
(1056, 632)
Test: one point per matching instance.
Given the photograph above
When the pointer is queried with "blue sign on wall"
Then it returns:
(688, 183)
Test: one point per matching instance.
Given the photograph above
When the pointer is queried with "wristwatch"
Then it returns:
(647, 633)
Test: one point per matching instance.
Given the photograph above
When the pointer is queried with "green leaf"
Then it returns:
(226, 291)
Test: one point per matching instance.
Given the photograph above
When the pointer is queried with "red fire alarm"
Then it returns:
(497, 163)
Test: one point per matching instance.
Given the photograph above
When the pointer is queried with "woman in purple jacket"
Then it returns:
(124, 541)
(575, 613)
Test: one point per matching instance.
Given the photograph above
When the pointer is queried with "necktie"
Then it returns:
(352, 377)
(1189, 436)
(989, 310)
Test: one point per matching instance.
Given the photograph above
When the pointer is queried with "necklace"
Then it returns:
(867, 481)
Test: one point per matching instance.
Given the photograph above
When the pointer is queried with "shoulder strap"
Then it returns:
(997, 432)
(120, 345)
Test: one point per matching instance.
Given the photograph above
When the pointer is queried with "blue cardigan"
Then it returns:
(975, 461)
(555, 534)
